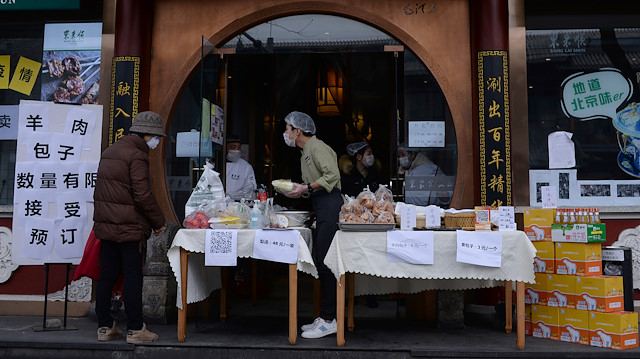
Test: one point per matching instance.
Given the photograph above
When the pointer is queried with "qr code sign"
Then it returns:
(220, 242)
(482, 216)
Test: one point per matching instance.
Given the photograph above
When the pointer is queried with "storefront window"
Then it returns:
(357, 83)
(585, 82)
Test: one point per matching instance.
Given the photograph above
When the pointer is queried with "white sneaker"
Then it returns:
(316, 322)
(321, 330)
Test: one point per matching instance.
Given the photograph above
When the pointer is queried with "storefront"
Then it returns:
(383, 72)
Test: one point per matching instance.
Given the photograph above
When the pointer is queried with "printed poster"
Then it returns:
(71, 59)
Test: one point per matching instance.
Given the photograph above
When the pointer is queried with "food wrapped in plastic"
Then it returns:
(384, 194)
(352, 206)
(385, 217)
(282, 185)
(367, 216)
(381, 206)
(350, 218)
(366, 199)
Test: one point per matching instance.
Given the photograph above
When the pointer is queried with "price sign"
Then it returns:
(408, 218)
(276, 246)
(414, 247)
(506, 218)
(479, 248)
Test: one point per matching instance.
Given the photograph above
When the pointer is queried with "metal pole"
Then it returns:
(66, 295)
(46, 290)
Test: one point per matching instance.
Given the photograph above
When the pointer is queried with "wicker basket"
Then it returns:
(421, 220)
(465, 220)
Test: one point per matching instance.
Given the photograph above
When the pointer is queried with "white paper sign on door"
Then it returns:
(407, 218)
(479, 248)
(414, 247)
(221, 247)
(276, 245)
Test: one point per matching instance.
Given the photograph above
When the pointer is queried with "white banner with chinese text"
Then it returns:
(57, 156)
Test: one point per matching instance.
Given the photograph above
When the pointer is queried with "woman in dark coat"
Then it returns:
(361, 172)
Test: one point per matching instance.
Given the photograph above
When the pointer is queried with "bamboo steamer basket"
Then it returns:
(465, 220)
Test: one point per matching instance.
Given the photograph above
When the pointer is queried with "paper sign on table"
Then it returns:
(407, 218)
(549, 196)
(414, 247)
(276, 246)
(479, 248)
(506, 218)
(432, 217)
(221, 247)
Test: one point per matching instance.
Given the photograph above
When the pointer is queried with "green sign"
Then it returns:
(39, 5)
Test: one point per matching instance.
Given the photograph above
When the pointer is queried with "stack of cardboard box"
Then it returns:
(571, 300)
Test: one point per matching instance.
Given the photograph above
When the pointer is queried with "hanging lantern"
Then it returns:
(329, 92)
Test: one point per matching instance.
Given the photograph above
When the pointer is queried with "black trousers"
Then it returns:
(327, 208)
(115, 257)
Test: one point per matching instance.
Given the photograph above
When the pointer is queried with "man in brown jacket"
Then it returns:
(124, 215)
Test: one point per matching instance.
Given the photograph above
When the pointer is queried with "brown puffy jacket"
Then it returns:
(125, 210)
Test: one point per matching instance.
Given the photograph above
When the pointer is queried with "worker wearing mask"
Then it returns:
(418, 171)
(321, 181)
(240, 178)
(361, 171)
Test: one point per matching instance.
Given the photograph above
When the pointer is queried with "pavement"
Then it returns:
(260, 331)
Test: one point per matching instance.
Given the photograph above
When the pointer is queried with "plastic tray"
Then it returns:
(366, 227)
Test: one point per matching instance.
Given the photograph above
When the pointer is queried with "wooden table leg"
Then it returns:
(340, 311)
(520, 314)
(224, 272)
(293, 303)
(182, 313)
(508, 306)
(351, 280)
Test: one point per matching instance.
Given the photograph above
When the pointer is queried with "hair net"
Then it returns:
(354, 148)
(302, 121)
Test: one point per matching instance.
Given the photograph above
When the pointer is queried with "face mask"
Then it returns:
(288, 141)
(404, 162)
(233, 155)
(153, 143)
(367, 161)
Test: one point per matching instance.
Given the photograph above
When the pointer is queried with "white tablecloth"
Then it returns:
(365, 253)
(202, 280)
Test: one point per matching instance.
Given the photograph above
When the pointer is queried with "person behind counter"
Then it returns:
(241, 180)
(416, 167)
(321, 177)
(125, 213)
(360, 171)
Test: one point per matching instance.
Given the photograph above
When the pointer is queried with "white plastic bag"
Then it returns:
(208, 189)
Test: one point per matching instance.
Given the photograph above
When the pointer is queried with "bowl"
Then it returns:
(296, 218)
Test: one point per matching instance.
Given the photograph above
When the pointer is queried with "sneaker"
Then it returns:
(141, 336)
(316, 322)
(106, 334)
(322, 330)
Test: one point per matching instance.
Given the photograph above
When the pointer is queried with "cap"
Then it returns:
(147, 122)
(354, 148)
(233, 139)
(302, 121)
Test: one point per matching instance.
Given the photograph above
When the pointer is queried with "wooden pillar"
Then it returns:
(131, 64)
(490, 46)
